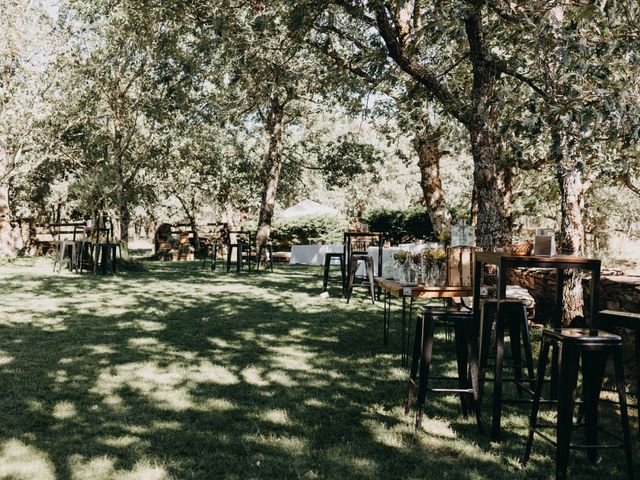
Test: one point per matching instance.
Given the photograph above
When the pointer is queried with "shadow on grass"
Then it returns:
(175, 372)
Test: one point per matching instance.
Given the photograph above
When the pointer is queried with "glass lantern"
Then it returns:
(462, 234)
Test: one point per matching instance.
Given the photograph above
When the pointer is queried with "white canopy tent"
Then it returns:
(307, 208)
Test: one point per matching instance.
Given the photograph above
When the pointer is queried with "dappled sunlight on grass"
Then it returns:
(174, 373)
(104, 468)
(64, 410)
(24, 462)
(169, 387)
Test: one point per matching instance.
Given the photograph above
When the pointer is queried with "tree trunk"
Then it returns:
(125, 220)
(492, 228)
(426, 144)
(228, 218)
(7, 248)
(569, 176)
(273, 167)
(189, 212)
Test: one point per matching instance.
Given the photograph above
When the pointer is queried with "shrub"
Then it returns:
(401, 226)
(326, 229)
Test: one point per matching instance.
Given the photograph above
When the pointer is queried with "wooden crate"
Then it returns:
(460, 266)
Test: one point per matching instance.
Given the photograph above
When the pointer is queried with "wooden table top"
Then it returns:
(422, 291)
(497, 258)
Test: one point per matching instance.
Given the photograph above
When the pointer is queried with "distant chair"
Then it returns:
(243, 247)
(356, 250)
(216, 240)
(328, 261)
(66, 238)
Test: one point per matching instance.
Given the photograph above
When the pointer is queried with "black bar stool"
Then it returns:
(354, 261)
(610, 319)
(106, 257)
(328, 261)
(215, 247)
(594, 347)
(242, 246)
(241, 249)
(466, 358)
(513, 318)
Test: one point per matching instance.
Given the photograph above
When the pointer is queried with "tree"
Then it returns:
(361, 63)
(28, 44)
(570, 57)
(423, 40)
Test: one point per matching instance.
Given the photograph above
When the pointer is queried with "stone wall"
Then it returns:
(617, 292)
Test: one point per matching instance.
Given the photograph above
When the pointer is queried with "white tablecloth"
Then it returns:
(314, 255)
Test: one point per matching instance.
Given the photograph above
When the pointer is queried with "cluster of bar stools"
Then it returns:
(593, 347)
(473, 365)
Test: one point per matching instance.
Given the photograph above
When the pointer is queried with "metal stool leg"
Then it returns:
(568, 377)
(533, 418)
(624, 415)
(425, 364)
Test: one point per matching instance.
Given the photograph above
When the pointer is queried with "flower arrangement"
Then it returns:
(400, 257)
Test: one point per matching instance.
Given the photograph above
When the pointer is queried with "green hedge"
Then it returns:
(401, 226)
(326, 229)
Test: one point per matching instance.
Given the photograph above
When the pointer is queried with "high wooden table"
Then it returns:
(393, 288)
(504, 262)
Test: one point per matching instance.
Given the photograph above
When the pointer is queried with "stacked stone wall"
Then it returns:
(617, 292)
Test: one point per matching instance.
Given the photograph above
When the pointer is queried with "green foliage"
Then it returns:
(326, 229)
(346, 158)
(401, 226)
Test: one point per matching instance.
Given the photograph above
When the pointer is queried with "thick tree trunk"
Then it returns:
(569, 176)
(7, 247)
(493, 228)
(272, 171)
(427, 145)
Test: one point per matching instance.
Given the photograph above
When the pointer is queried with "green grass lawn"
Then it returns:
(177, 373)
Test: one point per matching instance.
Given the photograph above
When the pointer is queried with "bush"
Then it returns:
(401, 226)
(326, 229)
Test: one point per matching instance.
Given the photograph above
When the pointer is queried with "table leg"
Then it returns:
(408, 332)
(557, 308)
(556, 323)
(497, 379)
(477, 279)
(403, 357)
(387, 313)
(595, 300)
